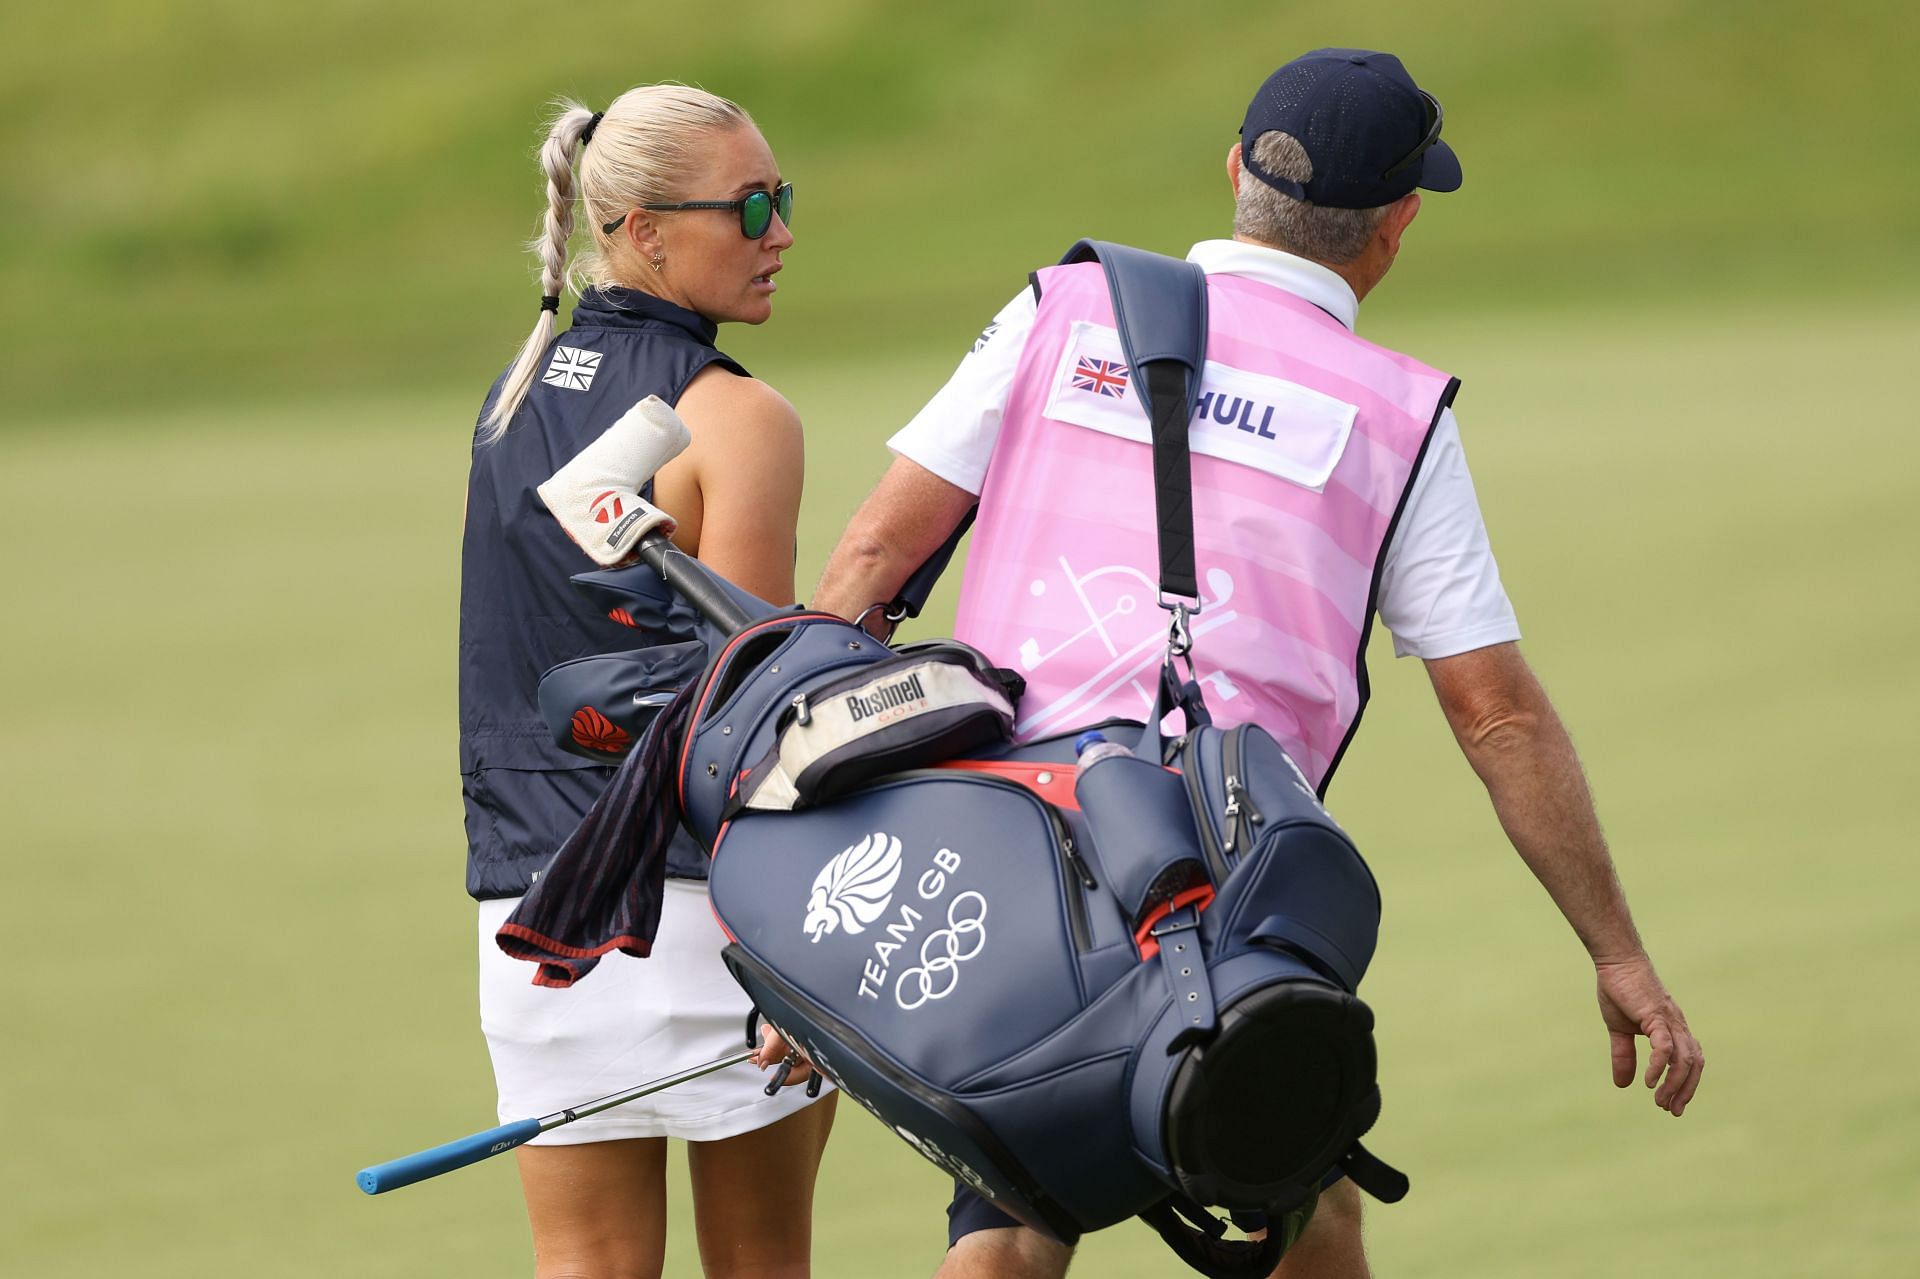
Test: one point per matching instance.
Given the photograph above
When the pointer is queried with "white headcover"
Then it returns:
(596, 496)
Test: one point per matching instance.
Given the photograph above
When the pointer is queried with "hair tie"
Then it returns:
(586, 134)
(551, 302)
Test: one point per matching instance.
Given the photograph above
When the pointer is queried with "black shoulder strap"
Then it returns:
(1160, 308)
(912, 595)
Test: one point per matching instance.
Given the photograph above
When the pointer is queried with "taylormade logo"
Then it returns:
(619, 530)
(885, 698)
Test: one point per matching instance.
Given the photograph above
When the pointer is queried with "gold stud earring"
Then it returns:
(659, 262)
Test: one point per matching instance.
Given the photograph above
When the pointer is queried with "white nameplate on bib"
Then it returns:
(1252, 419)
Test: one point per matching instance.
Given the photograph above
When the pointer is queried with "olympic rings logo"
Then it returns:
(942, 953)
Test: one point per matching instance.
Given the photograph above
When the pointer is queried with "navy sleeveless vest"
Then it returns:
(518, 614)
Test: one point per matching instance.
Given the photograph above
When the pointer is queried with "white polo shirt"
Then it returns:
(1440, 591)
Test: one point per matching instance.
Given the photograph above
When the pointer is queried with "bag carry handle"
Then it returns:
(1160, 309)
(1204, 1248)
(1170, 693)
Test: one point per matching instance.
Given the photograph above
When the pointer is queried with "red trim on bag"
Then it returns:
(721, 922)
(713, 853)
(1056, 790)
(1149, 947)
(719, 664)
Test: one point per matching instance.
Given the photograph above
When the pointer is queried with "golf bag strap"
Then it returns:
(912, 595)
(1202, 1247)
(1160, 309)
(1178, 933)
(1170, 693)
(1375, 1175)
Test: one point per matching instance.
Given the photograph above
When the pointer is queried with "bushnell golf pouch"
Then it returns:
(919, 707)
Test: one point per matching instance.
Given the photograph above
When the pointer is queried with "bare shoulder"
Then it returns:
(738, 410)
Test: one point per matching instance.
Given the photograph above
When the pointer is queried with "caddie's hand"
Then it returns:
(1634, 1002)
(596, 495)
(774, 1049)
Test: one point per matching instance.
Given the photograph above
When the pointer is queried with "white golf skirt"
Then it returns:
(626, 1022)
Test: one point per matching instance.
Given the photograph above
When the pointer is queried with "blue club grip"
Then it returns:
(421, 1165)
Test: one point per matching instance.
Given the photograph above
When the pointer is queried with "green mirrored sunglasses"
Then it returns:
(756, 210)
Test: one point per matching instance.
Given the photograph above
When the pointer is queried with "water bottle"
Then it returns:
(1092, 746)
(1141, 822)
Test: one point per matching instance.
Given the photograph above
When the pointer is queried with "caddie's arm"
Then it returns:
(1515, 741)
(902, 522)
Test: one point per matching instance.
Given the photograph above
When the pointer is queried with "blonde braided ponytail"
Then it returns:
(557, 153)
(641, 146)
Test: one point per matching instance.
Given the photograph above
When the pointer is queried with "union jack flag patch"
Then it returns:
(571, 368)
(1102, 377)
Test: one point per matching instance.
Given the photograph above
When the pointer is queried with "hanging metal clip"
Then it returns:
(894, 616)
(1180, 629)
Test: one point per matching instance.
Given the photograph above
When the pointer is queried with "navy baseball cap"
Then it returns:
(1372, 134)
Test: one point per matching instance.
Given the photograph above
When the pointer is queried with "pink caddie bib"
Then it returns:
(1305, 441)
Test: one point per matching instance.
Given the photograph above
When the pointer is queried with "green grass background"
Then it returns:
(257, 264)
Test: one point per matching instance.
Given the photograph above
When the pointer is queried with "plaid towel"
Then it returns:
(602, 891)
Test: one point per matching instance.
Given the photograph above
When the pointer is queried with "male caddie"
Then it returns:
(1329, 483)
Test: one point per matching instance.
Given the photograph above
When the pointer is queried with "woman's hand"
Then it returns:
(774, 1049)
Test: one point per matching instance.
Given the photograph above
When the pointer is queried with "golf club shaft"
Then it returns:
(423, 1164)
(693, 582)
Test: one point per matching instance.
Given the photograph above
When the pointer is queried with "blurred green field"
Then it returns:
(233, 831)
(257, 263)
(217, 200)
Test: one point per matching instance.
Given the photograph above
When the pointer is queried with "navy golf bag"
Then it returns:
(1089, 993)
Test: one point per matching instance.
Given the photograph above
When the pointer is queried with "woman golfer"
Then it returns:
(688, 215)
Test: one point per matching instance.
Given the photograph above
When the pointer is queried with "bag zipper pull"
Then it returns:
(1080, 868)
(1232, 821)
(1238, 801)
(1254, 816)
(801, 715)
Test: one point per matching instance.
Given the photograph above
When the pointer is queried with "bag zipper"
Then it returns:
(1080, 875)
(1240, 805)
(799, 709)
(1076, 894)
(1189, 750)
